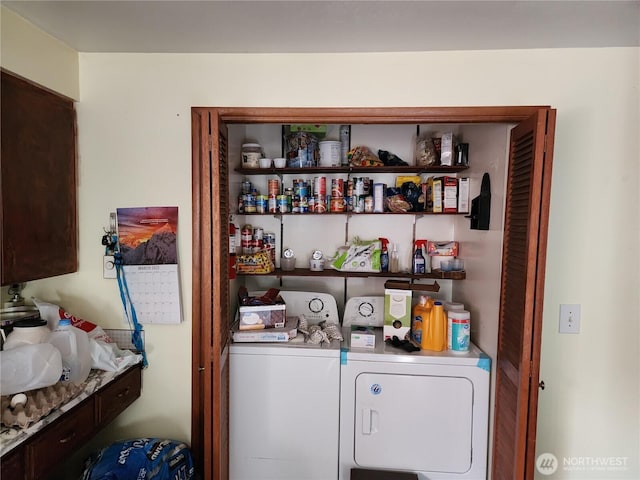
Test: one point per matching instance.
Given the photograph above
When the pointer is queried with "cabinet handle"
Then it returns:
(123, 393)
(68, 438)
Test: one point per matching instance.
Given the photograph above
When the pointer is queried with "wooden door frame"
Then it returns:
(205, 287)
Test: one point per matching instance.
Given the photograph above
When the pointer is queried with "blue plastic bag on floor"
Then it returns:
(141, 459)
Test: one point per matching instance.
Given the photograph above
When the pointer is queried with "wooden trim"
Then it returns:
(391, 115)
(209, 277)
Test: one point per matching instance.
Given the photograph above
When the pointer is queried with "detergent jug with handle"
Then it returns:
(434, 333)
(420, 317)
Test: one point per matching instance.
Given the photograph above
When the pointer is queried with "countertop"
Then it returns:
(11, 437)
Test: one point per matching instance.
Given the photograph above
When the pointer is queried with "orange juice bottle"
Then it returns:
(434, 333)
(419, 318)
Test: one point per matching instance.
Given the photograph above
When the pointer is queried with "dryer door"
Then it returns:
(413, 422)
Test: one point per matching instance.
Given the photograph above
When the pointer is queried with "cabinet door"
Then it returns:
(521, 296)
(38, 175)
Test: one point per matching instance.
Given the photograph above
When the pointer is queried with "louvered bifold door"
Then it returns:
(222, 317)
(221, 327)
(210, 389)
(522, 288)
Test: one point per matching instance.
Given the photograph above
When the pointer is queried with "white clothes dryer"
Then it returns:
(422, 412)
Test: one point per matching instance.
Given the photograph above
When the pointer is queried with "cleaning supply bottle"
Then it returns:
(418, 258)
(74, 347)
(419, 318)
(394, 260)
(384, 255)
(434, 334)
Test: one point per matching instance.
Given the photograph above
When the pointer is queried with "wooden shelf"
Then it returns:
(409, 169)
(307, 214)
(329, 272)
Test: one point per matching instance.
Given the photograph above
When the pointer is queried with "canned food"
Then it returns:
(336, 205)
(320, 205)
(273, 187)
(358, 186)
(368, 204)
(258, 233)
(320, 186)
(261, 204)
(337, 188)
(283, 203)
(272, 204)
(357, 204)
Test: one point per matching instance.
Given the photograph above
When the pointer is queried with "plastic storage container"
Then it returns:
(27, 367)
(459, 326)
(27, 332)
(73, 344)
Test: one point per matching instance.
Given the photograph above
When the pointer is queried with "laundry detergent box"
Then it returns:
(397, 312)
(256, 317)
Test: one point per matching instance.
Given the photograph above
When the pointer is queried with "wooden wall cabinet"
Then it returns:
(38, 183)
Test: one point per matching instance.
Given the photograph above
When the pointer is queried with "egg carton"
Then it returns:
(40, 403)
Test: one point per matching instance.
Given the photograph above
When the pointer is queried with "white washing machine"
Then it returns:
(284, 401)
(421, 412)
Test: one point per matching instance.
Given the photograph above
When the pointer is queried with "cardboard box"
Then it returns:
(362, 337)
(450, 249)
(397, 312)
(263, 316)
(463, 194)
(433, 197)
(284, 334)
(449, 194)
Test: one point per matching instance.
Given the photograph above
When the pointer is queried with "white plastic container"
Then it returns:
(27, 333)
(459, 326)
(28, 367)
(448, 306)
(330, 152)
(73, 344)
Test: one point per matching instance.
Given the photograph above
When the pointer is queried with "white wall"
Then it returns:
(31, 53)
(135, 150)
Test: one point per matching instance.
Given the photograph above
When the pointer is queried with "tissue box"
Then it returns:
(397, 312)
(263, 316)
(363, 337)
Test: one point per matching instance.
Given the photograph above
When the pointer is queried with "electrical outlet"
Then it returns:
(108, 267)
(569, 318)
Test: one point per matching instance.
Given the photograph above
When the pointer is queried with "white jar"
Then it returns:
(27, 332)
(251, 155)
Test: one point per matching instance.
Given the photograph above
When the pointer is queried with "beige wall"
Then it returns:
(33, 54)
(134, 150)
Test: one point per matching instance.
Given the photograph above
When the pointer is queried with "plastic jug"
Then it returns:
(73, 344)
(434, 334)
(419, 318)
(27, 367)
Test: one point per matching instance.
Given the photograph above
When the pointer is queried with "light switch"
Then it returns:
(569, 318)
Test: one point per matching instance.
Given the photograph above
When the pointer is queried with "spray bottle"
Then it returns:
(384, 255)
(419, 262)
